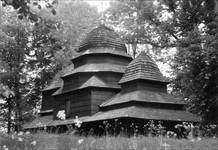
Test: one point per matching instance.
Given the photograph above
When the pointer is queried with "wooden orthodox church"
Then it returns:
(105, 84)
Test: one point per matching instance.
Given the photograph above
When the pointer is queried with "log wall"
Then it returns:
(100, 95)
(101, 58)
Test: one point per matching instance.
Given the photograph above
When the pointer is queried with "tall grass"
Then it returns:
(46, 141)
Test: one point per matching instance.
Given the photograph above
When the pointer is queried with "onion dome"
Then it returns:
(142, 67)
(102, 36)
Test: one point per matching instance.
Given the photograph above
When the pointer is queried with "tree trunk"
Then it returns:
(18, 103)
(9, 115)
(134, 47)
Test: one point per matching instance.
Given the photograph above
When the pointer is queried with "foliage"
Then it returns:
(190, 26)
(25, 7)
(25, 69)
(70, 28)
(31, 53)
(142, 23)
(196, 62)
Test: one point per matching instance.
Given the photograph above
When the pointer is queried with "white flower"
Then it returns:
(61, 114)
(80, 141)
(77, 122)
(33, 143)
(20, 139)
(27, 133)
(198, 138)
(20, 133)
(192, 140)
(5, 147)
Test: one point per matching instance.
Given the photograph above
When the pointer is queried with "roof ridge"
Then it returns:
(102, 36)
(94, 78)
(109, 100)
(93, 81)
(103, 67)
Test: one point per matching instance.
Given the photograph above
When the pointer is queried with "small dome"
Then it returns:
(102, 36)
(142, 67)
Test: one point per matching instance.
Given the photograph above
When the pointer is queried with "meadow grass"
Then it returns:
(46, 141)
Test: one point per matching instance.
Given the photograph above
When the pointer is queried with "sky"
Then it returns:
(101, 5)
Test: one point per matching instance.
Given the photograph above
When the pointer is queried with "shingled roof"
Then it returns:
(142, 67)
(57, 82)
(102, 36)
(142, 96)
(102, 50)
(94, 81)
(147, 113)
(104, 67)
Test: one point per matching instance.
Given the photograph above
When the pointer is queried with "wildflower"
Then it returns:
(92, 142)
(192, 140)
(20, 133)
(61, 114)
(178, 126)
(80, 141)
(198, 138)
(27, 133)
(33, 143)
(170, 134)
(20, 139)
(5, 147)
(77, 122)
(12, 136)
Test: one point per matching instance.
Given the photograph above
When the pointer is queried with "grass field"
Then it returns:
(45, 141)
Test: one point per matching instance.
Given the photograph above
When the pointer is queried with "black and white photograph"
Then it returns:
(108, 74)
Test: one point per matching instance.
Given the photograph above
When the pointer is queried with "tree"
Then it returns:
(196, 65)
(190, 26)
(30, 54)
(71, 28)
(12, 55)
(141, 22)
(27, 58)
(24, 7)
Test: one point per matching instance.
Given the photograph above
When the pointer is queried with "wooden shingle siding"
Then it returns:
(142, 67)
(99, 96)
(47, 99)
(75, 81)
(102, 36)
(94, 68)
(101, 58)
(103, 85)
(80, 101)
(102, 50)
(143, 85)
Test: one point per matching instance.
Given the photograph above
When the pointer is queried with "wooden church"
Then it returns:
(105, 84)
